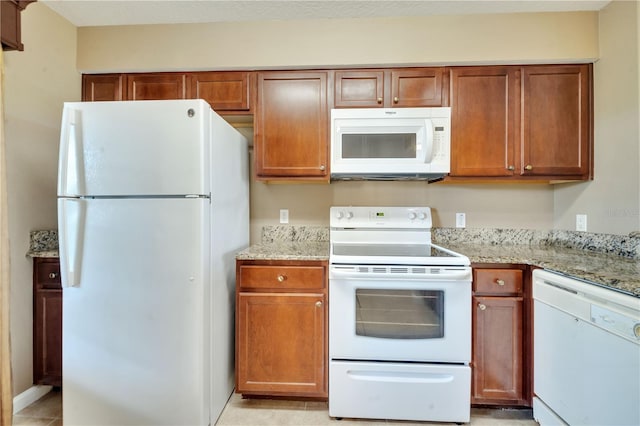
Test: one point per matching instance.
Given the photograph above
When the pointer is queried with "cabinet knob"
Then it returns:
(52, 275)
(322, 168)
(528, 167)
(511, 167)
(395, 100)
(482, 306)
(318, 304)
(499, 281)
(379, 100)
(281, 278)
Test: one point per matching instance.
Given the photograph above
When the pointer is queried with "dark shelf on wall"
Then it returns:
(10, 28)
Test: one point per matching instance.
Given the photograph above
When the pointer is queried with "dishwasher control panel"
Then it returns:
(615, 322)
(606, 309)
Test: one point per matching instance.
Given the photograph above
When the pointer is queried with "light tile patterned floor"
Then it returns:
(251, 412)
(48, 412)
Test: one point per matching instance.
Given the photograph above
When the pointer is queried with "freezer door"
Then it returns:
(136, 317)
(134, 148)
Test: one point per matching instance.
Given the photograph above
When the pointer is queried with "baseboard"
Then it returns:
(29, 396)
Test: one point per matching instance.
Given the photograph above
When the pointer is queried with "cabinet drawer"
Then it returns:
(47, 274)
(285, 277)
(497, 281)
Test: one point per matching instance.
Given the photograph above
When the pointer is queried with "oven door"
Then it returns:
(382, 317)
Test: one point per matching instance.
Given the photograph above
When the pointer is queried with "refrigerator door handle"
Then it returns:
(72, 212)
(71, 171)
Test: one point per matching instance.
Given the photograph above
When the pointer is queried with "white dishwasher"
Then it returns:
(586, 353)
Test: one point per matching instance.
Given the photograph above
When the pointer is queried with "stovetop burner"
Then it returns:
(405, 250)
(386, 236)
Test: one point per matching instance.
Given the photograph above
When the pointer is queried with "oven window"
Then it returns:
(391, 145)
(400, 314)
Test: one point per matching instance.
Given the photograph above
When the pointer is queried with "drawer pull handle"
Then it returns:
(318, 304)
(482, 306)
(499, 282)
(52, 275)
(281, 278)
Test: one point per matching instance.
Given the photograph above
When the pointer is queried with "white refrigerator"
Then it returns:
(153, 204)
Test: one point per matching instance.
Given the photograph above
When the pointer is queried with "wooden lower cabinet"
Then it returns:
(281, 329)
(47, 322)
(500, 354)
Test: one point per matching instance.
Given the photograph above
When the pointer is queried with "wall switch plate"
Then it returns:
(461, 220)
(581, 222)
(284, 215)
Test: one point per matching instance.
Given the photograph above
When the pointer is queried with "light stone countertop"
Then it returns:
(600, 259)
(43, 243)
(286, 250)
(610, 261)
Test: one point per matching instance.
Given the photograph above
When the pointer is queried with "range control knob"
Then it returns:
(412, 215)
(349, 215)
(636, 330)
(422, 215)
(339, 215)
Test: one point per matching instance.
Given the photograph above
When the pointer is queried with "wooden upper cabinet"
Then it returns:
(388, 88)
(156, 86)
(484, 117)
(102, 87)
(556, 111)
(224, 91)
(359, 89)
(523, 123)
(291, 138)
(417, 87)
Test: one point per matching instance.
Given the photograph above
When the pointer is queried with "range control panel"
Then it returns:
(380, 217)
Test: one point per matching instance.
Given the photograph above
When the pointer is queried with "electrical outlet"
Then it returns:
(581, 222)
(284, 216)
(461, 220)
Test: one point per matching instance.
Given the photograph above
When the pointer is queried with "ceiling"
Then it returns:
(84, 13)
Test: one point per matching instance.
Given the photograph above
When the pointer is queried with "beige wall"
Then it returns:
(37, 81)
(510, 38)
(611, 202)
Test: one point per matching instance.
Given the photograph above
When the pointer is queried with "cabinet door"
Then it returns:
(421, 87)
(47, 338)
(103, 87)
(291, 125)
(556, 121)
(224, 91)
(484, 120)
(156, 86)
(280, 344)
(497, 373)
(363, 89)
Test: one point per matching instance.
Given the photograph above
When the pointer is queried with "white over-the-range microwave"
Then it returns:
(390, 143)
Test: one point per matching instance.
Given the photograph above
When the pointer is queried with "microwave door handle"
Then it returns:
(427, 146)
